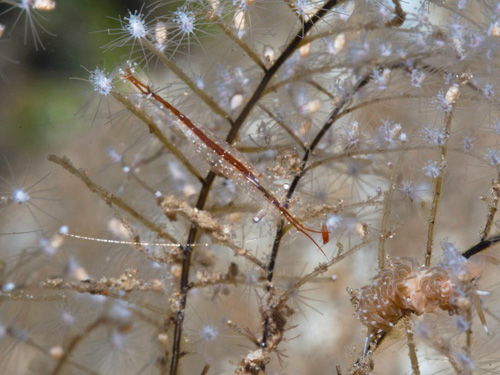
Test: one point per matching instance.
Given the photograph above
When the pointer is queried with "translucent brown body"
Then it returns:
(238, 165)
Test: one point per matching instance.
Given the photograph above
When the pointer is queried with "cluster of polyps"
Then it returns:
(408, 287)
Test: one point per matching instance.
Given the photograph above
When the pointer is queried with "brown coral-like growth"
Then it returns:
(407, 287)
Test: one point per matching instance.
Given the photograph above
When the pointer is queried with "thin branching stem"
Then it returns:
(73, 344)
(305, 74)
(149, 159)
(284, 126)
(438, 188)
(155, 130)
(463, 15)
(359, 152)
(241, 43)
(468, 333)
(378, 100)
(287, 52)
(211, 103)
(347, 98)
(492, 208)
(110, 198)
(412, 348)
(18, 335)
(255, 149)
(318, 270)
(384, 232)
(208, 181)
(367, 27)
(320, 88)
(280, 230)
(205, 369)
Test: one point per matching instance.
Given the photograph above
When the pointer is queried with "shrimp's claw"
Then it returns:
(325, 234)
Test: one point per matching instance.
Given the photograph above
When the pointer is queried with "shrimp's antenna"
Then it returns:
(139, 243)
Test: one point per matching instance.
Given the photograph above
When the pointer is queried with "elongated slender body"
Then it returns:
(228, 157)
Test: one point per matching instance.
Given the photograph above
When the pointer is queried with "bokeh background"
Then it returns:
(41, 106)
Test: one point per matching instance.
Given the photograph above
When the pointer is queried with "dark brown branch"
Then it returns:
(399, 16)
(481, 246)
(208, 181)
(333, 116)
(362, 82)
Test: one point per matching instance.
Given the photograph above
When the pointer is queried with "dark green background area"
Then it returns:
(39, 102)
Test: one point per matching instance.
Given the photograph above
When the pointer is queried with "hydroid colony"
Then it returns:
(256, 159)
